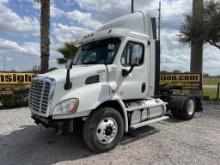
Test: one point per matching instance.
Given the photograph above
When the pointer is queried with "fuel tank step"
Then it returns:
(134, 126)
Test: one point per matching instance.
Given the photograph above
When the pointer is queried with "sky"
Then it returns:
(72, 19)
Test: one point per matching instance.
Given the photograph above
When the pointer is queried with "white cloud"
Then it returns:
(36, 5)
(10, 22)
(103, 4)
(211, 60)
(91, 14)
(175, 8)
(84, 18)
(14, 47)
(22, 57)
(175, 55)
(105, 10)
(54, 11)
(3, 1)
(65, 33)
(78, 15)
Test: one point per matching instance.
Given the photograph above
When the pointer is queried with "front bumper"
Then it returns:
(47, 122)
(61, 126)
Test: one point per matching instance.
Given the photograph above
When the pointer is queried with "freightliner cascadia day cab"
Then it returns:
(110, 87)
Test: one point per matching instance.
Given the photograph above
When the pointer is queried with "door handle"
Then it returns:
(143, 87)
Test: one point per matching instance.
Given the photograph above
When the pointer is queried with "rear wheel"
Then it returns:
(103, 129)
(183, 107)
(189, 108)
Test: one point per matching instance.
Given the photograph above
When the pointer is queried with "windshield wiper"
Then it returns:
(90, 62)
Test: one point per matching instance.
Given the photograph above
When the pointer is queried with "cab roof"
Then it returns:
(136, 24)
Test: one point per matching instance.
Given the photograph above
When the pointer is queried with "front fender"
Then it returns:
(89, 96)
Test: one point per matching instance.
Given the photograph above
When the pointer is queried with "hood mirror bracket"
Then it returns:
(68, 84)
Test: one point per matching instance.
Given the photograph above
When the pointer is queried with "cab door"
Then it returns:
(133, 81)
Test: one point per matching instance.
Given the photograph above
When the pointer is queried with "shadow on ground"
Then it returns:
(36, 145)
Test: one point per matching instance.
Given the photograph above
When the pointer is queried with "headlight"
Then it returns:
(66, 107)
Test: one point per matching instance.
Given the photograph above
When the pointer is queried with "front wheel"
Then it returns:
(103, 129)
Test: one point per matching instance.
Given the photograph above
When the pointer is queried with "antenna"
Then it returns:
(159, 19)
(132, 6)
(4, 63)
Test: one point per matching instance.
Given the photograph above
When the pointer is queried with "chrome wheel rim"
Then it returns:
(107, 130)
(190, 107)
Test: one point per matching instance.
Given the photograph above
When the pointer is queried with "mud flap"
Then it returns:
(199, 107)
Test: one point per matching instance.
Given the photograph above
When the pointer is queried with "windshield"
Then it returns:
(97, 52)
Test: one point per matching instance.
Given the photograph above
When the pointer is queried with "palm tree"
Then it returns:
(68, 51)
(44, 34)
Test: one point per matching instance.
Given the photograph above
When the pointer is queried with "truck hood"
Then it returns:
(89, 94)
(76, 72)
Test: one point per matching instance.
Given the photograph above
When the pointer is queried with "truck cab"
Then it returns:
(109, 88)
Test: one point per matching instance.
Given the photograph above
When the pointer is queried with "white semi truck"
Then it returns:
(110, 87)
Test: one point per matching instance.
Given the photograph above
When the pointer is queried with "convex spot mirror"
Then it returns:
(136, 54)
(134, 61)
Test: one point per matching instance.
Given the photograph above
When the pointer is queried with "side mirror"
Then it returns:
(126, 72)
(69, 64)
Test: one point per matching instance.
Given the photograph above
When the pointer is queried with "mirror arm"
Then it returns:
(68, 84)
(126, 72)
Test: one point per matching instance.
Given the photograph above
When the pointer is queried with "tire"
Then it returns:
(183, 107)
(176, 105)
(189, 108)
(103, 130)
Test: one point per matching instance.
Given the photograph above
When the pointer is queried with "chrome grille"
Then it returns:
(39, 95)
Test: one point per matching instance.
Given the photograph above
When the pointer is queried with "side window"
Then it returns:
(133, 51)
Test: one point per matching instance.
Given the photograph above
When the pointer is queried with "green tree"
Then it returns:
(207, 30)
(176, 71)
(68, 51)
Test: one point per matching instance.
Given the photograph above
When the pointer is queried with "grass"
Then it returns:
(211, 81)
(210, 92)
